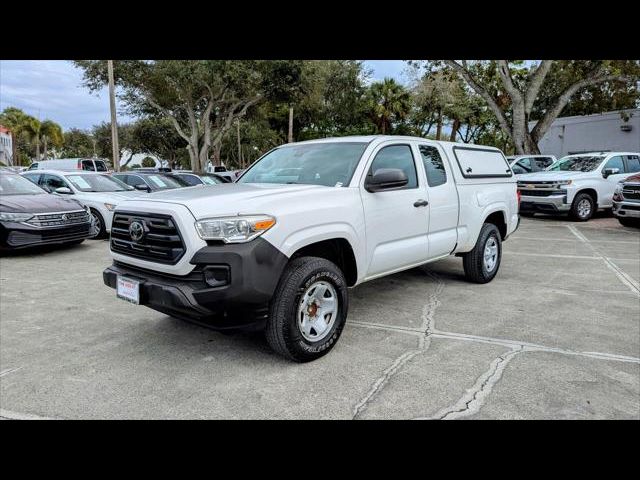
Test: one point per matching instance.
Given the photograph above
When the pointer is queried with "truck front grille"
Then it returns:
(160, 240)
(631, 192)
(541, 193)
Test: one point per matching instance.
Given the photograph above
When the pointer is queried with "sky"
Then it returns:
(52, 89)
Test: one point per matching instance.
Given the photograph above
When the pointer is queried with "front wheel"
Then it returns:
(482, 263)
(99, 228)
(308, 310)
(583, 207)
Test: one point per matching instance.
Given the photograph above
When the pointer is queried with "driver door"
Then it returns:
(396, 221)
(610, 183)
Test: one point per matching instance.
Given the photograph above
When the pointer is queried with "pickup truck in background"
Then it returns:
(521, 164)
(576, 184)
(279, 248)
(626, 201)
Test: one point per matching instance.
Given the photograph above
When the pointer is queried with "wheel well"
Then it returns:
(591, 192)
(336, 250)
(497, 218)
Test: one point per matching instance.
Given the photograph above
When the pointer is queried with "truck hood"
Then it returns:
(108, 197)
(231, 198)
(555, 175)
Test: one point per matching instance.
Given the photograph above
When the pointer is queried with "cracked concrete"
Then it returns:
(553, 336)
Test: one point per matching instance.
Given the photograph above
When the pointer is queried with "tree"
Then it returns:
(51, 134)
(389, 103)
(516, 95)
(157, 136)
(20, 125)
(202, 99)
(129, 144)
(78, 143)
(148, 162)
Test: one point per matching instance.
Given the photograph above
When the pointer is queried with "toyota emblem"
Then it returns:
(136, 230)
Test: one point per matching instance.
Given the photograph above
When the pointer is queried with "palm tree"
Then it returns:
(51, 131)
(389, 102)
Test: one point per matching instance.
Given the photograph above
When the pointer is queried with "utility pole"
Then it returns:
(240, 162)
(290, 124)
(114, 125)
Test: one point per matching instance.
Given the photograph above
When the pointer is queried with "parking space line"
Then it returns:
(555, 239)
(9, 415)
(582, 257)
(621, 274)
(8, 371)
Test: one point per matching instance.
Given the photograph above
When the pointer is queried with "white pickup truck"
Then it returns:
(576, 184)
(279, 248)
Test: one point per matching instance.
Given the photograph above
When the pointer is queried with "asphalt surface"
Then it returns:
(555, 335)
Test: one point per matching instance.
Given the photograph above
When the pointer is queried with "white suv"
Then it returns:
(576, 184)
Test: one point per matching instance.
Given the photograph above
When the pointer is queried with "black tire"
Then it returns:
(629, 222)
(475, 268)
(102, 232)
(576, 212)
(282, 331)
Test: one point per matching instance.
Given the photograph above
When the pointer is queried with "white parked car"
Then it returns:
(280, 250)
(98, 191)
(576, 184)
(521, 164)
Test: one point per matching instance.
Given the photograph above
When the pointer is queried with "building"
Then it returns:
(6, 146)
(610, 131)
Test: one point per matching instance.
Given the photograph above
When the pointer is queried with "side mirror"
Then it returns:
(142, 186)
(610, 171)
(63, 191)
(386, 179)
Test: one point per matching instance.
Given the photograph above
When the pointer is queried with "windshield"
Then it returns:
(210, 180)
(96, 183)
(576, 164)
(328, 164)
(17, 185)
(164, 182)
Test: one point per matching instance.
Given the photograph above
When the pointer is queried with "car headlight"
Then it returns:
(565, 182)
(110, 206)
(240, 229)
(15, 217)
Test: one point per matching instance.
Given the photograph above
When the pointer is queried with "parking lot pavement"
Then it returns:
(555, 335)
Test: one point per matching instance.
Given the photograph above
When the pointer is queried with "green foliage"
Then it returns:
(148, 162)
(388, 104)
(77, 143)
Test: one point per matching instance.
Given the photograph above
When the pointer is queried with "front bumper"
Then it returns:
(254, 269)
(14, 235)
(550, 204)
(626, 209)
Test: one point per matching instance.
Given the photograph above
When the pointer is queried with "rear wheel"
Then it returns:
(308, 310)
(583, 207)
(482, 263)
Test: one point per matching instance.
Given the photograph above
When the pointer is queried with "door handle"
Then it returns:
(420, 203)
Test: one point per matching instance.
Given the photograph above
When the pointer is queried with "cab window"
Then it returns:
(88, 165)
(396, 156)
(433, 165)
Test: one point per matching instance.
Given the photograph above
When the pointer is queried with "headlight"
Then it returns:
(565, 182)
(110, 206)
(238, 229)
(15, 217)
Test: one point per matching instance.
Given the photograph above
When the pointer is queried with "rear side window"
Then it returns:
(190, 179)
(543, 162)
(100, 166)
(524, 164)
(87, 165)
(433, 165)
(397, 156)
(633, 163)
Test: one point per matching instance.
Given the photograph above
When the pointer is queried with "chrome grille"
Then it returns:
(59, 219)
(631, 192)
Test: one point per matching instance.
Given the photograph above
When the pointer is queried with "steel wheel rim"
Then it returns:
(317, 311)
(584, 208)
(491, 254)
